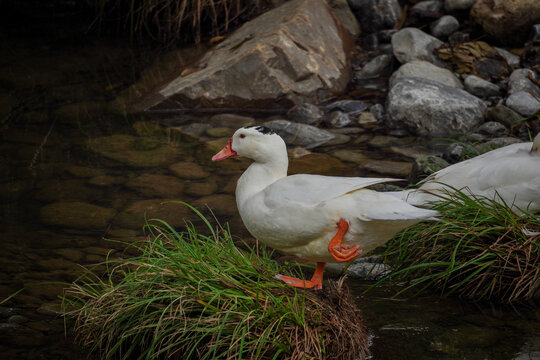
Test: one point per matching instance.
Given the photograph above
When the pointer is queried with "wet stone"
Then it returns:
(83, 171)
(220, 204)
(78, 215)
(153, 185)
(67, 190)
(436, 6)
(496, 143)
(523, 80)
(512, 59)
(188, 170)
(148, 129)
(375, 67)
(337, 119)
(453, 5)
(201, 188)
(135, 152)
(492, 128)
(444, 26)
(424, 166)
(480, 87)
(375, 15)
(504, 115)
(523, 103)
(300, 134)
(381, 141)
(305, 113)
(219, 132)
(106, 180)
(367, 120)
(134, 215)
(316, 163)
(51, 309)
(233, 121)
(350, 156)
(17, 319)
(70, 254)
(350, 107)
(454, 152)
(387, 167)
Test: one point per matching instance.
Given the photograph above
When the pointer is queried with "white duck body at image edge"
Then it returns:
(298, 214)
(510, 174)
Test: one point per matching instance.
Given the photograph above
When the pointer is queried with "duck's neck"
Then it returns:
(258, 176)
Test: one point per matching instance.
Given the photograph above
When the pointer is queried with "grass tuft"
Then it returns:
(195, 296)
(480, 250)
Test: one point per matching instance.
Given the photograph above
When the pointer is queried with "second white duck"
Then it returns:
(314, 217)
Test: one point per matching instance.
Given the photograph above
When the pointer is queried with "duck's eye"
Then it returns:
(241, 136)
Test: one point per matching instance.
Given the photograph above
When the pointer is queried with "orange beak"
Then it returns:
(225, 153)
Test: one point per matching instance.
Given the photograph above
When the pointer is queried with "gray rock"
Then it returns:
(444, 26)
(350, 107)
(507, 21)
(424, 166)
(480, 87)
(195, 130)
(337, 119)
(523, 103)
(300, 134)
(378, 111)
(459, 37)
(520, 80)
(511, 59)
(534, 35)
(375, 15)
(305, 113)
(504, 115)
(492, 128)
(436, 6)
(453, 5)
(429, 108)
(413, 44)
(375, 67)
(454, 152)
(368, 269)
(496, 143)
(343, 12)
(294, 53)
(385, 36)
(425, 70)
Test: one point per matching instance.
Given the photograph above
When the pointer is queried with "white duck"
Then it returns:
(317, 218)
(512, 172)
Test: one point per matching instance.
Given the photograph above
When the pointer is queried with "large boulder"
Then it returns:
(298, 52)
(429, 108)
(509, 21)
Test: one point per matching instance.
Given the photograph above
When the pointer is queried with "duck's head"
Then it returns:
(536, 144)
(259, 143)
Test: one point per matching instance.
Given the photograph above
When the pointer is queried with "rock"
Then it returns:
(339, 138)
(492, 128)
(504, 115)
(444, 26)
(84, 172)
(424, 166)
(337, 119)
(345, 16)
(412, 151)
(18, 336)
(135, 152)
(454, 152)
(6, 312)
(300, 134)
(378, 111)
(434, 6)
(523, 103)
(381, 141)
(350, 156)
(188, 170)
(496, 143)
(195, 130)
(76, 215)
(199, 189)
(411, 44)
(511, 59)
(375, 67)
(429, 108)
(370, 42)
(459, 37)
(219, 132)
(148, 129)
(375, 15)
(316, 163)
(220, 204)
(368, 268)
(350, 107)
(297, 52)
(67, 190)
(305, 113)
(153, 185)
(52, 309)
(425, 70)
(73, 255)
(133, 216)
(523, 80)
(387, 167)
(234, 121)
(507, 21)
(367, 120)
(385, 36)
(106, 180)
(534, 35)
(453, 5)
(17, 319)
(480, 87)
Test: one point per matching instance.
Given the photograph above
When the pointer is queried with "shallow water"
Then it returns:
(63, 144)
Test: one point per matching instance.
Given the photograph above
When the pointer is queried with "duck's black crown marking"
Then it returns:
(262, 129)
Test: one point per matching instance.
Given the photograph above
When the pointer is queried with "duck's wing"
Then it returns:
(312, 190)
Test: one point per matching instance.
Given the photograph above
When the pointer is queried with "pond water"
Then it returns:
(77, 179)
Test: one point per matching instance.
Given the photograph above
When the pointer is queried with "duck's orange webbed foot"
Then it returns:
(314, 283)
(342, 252)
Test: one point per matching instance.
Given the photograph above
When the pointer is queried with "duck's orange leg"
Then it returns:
(315, 282)
(342, 252)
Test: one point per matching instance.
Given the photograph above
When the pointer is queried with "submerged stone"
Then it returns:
(156, 185)
(76, 215)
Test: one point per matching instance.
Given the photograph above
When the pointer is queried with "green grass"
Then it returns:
(195, 296)
(478, 250)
